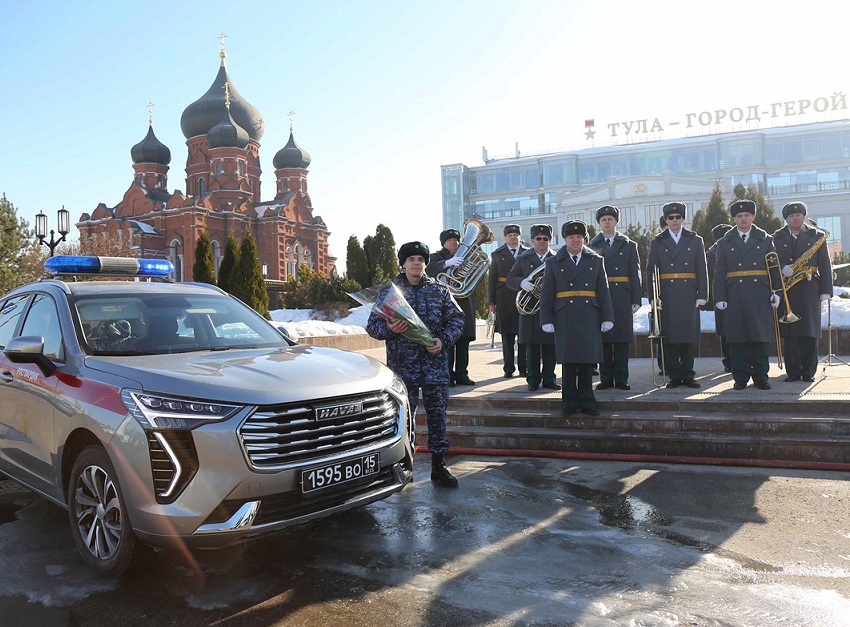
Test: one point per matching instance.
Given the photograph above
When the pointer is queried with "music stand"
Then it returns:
(830, 359)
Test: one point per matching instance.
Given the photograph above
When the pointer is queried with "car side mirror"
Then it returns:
(29, 349)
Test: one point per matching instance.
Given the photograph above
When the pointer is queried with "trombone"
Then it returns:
(655, 321)
(771, 262)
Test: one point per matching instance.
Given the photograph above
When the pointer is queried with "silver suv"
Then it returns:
(174, 414)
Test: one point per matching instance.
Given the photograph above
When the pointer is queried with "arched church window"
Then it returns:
(200, 187)
(218, 169)
(290, 262)
(241, 169)
(299, 258)
(308, 258)
(176, 258)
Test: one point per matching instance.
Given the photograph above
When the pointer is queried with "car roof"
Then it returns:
(97, 288)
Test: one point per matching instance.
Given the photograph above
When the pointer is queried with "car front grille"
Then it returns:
(282, 435)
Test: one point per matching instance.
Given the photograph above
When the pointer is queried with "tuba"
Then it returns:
(461, 280)
(528, 303)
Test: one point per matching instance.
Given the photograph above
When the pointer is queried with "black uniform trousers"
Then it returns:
(749, 359)
(801, 356)
(679, 361)
(459, 359)
(508, 342)
(724, 349)
(577, 390)
(615, 363)
(534, 353)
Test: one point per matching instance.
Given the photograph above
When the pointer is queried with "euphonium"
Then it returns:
(461, 280)
(528, 303)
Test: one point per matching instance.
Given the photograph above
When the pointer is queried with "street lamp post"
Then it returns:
(64, 217)
(265, 270)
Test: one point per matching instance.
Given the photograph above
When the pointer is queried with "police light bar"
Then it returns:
(127, 266)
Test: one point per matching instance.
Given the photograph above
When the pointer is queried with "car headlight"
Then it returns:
(154, 411)
(398, 386)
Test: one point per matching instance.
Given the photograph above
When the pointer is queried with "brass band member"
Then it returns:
(622, 265)
(679, 254)
(717, 234)
(575, 306)
(441, 261)
(742, 290)
(539, 345)
(502, 299)
(801, 337)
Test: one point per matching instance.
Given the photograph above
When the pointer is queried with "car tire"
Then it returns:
(99, 522)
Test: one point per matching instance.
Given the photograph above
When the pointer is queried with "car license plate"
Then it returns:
(332, 474)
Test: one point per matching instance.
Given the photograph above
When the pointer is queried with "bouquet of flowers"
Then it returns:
(393, 306)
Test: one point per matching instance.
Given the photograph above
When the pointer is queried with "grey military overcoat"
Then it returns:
(741, 280)
(498, 292)
(577, 301)
(622, 266)
(529, 326)
(804, 296)
(684, 279)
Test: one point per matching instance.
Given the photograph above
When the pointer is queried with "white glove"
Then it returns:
(824, 297)
(548, 328)
(607, 326)
(527, 285)
(701, 302)
(454, 261)
(787, 270)
(721, 305)
(774, 300)
(635, 308)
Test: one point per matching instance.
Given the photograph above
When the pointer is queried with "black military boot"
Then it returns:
(439, 473)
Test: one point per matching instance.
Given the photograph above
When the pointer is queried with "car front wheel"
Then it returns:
(98, 516)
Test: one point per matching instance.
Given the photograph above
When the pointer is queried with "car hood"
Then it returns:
(252, 376)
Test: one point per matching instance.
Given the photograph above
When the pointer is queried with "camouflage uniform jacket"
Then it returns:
(437, 309)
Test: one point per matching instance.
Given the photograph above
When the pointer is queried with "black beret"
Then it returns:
(513, 228)
(541, 229)
(742, 205)
(720, 230)
(448, 234)
(662, 221)
(794, 207)
(607, 210)
(410, 249)
(675, 207)
(573, 227)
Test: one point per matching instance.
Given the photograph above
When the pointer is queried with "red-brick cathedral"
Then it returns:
(223, 132)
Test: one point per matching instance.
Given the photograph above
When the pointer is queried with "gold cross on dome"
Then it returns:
(221, 38)
(291, 120)
(150, 113)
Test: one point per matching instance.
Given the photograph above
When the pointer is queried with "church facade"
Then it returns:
(223, 132)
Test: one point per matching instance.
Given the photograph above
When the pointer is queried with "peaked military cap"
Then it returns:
(412, 248)
(541, 229)
(742, 205)
(449, 234)
(720, 230)
(607, 210)
(574, 227)
(513, 228)
(794, 207)
(675, 207)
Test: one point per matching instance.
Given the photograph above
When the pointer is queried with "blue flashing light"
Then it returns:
(129, 266)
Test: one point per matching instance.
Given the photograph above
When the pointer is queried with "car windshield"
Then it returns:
(170, 323)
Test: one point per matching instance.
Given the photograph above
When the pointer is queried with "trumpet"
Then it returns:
(655, 319)
(461, 280)
(528, 303)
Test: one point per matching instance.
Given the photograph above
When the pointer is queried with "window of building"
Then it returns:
(792, 149)
(833, 225)
(831, 146)
(176, 259)
(811, 148)
(218, 169)
(200, 187)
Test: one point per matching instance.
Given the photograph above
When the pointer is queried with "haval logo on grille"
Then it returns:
(335, 411)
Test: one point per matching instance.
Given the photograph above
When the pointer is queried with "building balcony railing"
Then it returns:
(807, 188)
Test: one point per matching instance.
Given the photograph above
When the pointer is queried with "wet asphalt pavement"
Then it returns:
(521, 542)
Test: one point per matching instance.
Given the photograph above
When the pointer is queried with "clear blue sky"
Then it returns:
(384, 92)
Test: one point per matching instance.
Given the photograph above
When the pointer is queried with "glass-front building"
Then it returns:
(809, 163)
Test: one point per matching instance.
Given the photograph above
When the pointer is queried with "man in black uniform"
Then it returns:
(439, 262)
(679, 254)
(742, 289)
(717, 233)
(622, 265)
(539, 345)
(502, 299)
(794, 241)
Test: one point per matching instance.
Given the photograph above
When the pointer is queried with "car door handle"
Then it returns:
(7, 376)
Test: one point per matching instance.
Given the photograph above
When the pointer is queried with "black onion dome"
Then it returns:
(200, 116)
(291, 156)
(150, 150)
(227, 133)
